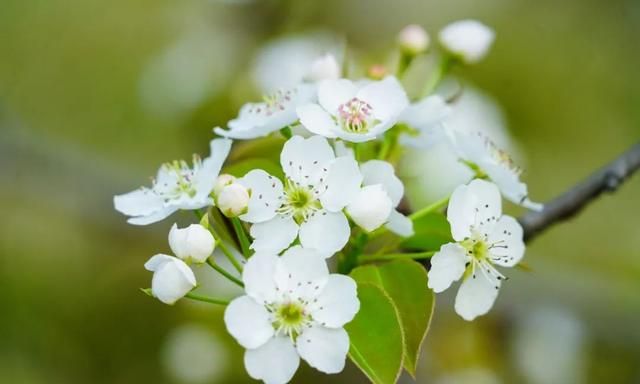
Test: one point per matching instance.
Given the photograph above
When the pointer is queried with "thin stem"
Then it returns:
(443, 67)
(429, 208)
(224, 273)
(242, 237)
(220, 244)
(395, 256)
(206, 299)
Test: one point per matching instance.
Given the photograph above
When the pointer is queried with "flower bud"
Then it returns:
(233, 200)
(377, 72)
(413, 39)
(222, 181)
(467, 40)
(324, 68)
(193, 243)
(172, 278)
(371, 207)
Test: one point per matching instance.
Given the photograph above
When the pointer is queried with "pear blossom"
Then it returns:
(355, 112)
(233, 200)
(316, 188)
(172, 278)
(276, 111)
(468, 40)
(325, 67)
(483, 238)
(427, 116)
(487, 160)
(293, 308)
(192, 244)
(378, 199)
(176, 186)
(413, 39)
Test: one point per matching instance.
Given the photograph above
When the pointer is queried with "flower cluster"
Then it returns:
(335, 190)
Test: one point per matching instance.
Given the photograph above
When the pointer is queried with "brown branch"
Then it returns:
(571, 202)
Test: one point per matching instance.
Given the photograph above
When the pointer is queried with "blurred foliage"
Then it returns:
(94, 95)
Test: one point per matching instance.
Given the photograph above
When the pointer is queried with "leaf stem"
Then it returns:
(445, 63)
(241, 233)
(223, 272)
(206, 299)
(429, 208)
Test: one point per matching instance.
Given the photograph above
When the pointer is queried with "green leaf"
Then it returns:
(240, 168)
(405, 281)
(376, 336)
(431, 232)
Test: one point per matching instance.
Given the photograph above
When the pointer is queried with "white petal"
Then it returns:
(371, 207)
(323, 348)
(301, 273)
(343, 183)
(358, 137)
(508, 181)
(273, 235)
(382, 172)
(266, 192)
(477, 205)
(305, 160)
(317, 120)
(426, 113)
(248, 322)
(326, 232)
(258, 277)
(140, 202)
(154, 217)
(274, 363)
(387, 97)
(400, 224)
(157, 261)
(206, 177)
(338, 302)
(507, 246)
(177, 241)
(476, 296)
(447, 266)
(332, 93)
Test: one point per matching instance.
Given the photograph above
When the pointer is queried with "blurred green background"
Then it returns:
(95, 94)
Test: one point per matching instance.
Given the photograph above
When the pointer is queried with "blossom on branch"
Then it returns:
(484, 238)
(292, 308)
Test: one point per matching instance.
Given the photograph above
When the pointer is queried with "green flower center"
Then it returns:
(356, 116)
(300, 202)
(290, 318)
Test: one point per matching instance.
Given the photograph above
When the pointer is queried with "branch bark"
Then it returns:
(571, 202)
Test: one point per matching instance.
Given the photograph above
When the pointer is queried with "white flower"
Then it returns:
(172, 278)
(317, 187)
(233, 200)
(293, 308)
(377, 200)
(276, 111)
(484, 157)
(191, 244)
(177, 186)
(324, 68)
(413, 39)
(353, 112)
(484, 238)
(427, 116)
(468, 40)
